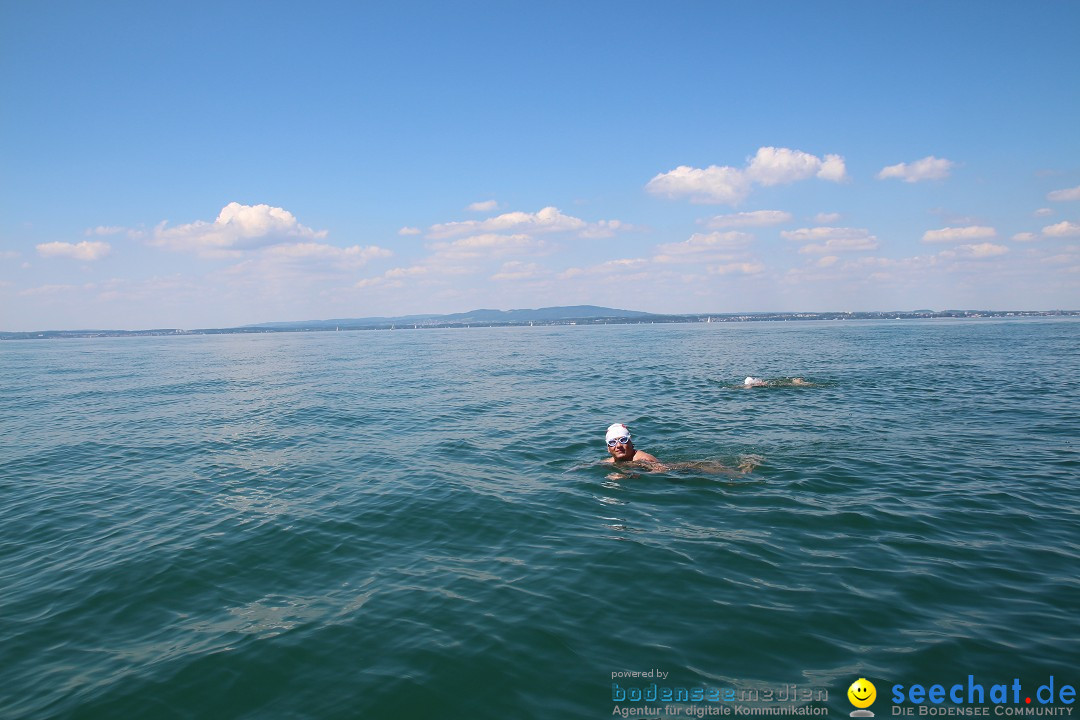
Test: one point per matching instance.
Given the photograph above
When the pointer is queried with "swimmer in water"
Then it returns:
(621, 448)
(751, 382)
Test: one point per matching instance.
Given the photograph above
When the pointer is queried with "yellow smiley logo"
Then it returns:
(862, 693)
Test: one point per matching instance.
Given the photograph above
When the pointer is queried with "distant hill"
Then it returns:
(486, 316)
(565, 315)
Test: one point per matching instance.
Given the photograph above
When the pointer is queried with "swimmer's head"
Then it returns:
(619, 445)
(752, 381)
(618, 430)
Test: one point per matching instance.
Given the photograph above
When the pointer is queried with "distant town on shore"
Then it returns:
(563, 315)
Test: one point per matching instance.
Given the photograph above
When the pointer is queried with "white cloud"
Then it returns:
(729, 186)
(237, 227)
(699, 244)
(834, 245)
(412, 271)
(958, 234)
(828, 240)
(394, 276)
(780, 166)
(105, 230)
(714, 184)
(833, 169)
(86, 250)
(1061, 229)
(929, 168)
(1025, 237)
(516, 270)
(482, 206)
(623, 264)
(353, 256)
(1064, 195)
(739, 268)
(300, 270)
(980, 250)
(1043, 212)
(623, 267)
(757, 218)
(604, 229)
(827, 261)
(9, 254)
(409, 231)
(485, 245)
(47, 290)
(825, 233)
(549, 219)
(826, 218)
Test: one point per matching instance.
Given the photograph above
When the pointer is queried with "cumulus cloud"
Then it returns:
(834, 245)
(1025, 237)
(829, 240)
(737, 268)
(623, 268)
(604, 229)
(409, 231)
(779, 166)
(714, 184)
(958, 234)
(105, 230)
(52, 290)
(1064, 195)
(977, 251)
(353, 256)
(1043, 212)
(394, 276)
(86, 250)
(729, 186)
(485, 245)
(929, 168)
(1061, 229)
(756, 218)
(482, 206)
(700, 244)
(237, 227)
(826, 218)
(833, 169)
(517, 270)
(549, 219)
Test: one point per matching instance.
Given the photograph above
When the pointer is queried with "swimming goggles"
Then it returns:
(618, 441)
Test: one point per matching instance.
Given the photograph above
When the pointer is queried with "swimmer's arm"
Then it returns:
(654, 463)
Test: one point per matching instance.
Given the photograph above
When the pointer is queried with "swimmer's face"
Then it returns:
(620, 451)
(862, 693)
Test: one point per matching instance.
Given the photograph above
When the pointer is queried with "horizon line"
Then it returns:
(636, 317)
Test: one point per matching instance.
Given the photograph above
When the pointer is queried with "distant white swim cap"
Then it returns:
(750, 380)
(617, 430)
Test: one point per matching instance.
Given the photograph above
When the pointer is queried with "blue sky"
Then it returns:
(214, 164)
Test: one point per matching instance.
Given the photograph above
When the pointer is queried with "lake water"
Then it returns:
(416, 524)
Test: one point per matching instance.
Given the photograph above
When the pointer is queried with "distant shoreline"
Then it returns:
(435, 322)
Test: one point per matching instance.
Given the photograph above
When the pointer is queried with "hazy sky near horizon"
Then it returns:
(215, 164)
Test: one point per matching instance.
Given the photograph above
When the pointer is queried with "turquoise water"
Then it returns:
(414, 524)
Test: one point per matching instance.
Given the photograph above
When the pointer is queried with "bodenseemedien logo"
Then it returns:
(862, 694)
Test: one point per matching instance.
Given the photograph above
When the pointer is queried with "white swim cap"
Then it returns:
(617, 430)
(750, 380)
